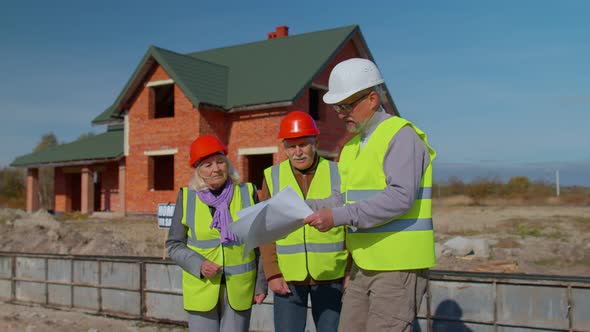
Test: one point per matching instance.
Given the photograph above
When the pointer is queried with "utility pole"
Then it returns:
(557, 183)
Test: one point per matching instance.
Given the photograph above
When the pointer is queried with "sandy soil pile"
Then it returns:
(522, 239)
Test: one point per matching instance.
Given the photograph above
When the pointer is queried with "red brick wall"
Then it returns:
(59, 191)
(64, 191)
(147, 134)
(109, 191)
(67, 190)
(253, 129)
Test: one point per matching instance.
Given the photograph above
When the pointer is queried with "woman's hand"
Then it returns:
(210, 269)
(258, 298)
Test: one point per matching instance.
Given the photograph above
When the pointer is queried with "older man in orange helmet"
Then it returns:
(306, 262)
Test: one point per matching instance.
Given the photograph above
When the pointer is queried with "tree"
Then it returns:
(483, 187)
(456, 186)
(47, 141)
(46, 174)
(12, 188)
(518, 185)
(85, 136)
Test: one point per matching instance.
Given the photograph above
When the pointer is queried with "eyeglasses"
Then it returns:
(347, 108)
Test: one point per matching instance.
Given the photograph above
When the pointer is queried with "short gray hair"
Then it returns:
(197, 183)
(380, 91)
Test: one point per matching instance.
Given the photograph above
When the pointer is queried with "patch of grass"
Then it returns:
(525, 230)
(582, 223)
(557, 235)
(72, 216)
(492, 255)
(548, 262)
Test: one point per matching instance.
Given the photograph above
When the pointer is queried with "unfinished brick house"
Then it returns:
(238, 93)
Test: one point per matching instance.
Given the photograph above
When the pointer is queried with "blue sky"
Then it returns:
(491, 82)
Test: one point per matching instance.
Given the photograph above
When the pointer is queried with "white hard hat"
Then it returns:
(350, 77)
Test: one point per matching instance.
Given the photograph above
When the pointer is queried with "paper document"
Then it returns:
(270, 220)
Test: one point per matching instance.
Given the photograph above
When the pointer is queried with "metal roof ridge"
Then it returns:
(301, 35)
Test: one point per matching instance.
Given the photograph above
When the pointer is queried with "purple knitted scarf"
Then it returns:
(221, 218)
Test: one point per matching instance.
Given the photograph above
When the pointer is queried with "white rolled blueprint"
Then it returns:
(270, 220)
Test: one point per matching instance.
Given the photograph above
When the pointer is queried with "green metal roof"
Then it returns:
(276, 70)
(264, 72)
(104, 146)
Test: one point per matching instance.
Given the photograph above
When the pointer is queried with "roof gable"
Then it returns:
(263, 72)
(201, 81)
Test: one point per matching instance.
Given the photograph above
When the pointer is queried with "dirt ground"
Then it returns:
(550, 239)
(522, 239)
(553, 240)
(23, 318)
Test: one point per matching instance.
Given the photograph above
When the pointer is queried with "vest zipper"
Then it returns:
(304, 192)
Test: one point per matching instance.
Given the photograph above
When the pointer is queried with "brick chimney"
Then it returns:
(281, 31)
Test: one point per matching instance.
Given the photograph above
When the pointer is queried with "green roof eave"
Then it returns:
(105, 117)
(102, 147)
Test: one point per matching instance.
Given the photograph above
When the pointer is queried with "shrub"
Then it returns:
(518, 185)
(482, 188)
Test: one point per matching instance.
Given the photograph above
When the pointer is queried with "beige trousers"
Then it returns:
(382, 300)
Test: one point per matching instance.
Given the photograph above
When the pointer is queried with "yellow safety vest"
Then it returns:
(406, 242)
(240, 274)
(307, 250)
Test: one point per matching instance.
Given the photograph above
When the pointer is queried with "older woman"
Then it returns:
(219, 285)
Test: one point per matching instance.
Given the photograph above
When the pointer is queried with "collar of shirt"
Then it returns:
(379, 116)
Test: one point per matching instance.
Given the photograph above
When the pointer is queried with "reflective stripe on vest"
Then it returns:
(407, 241)
(306, 251)
(311, 247)
(202, 294)
(359, 195)
(398, 225)
(239, 269)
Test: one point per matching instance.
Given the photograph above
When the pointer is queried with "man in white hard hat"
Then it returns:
(385, 200)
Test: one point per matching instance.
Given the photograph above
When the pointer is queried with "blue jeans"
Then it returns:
(290, 311)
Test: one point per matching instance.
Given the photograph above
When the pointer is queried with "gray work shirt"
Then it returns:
(405, 161)
(190, 260)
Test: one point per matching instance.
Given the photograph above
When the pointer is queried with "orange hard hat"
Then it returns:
(204, 146)
(297, 124)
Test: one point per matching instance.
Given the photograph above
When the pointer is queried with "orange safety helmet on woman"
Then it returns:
(298, 124)
(205, 146)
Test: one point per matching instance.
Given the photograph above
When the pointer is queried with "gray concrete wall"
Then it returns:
(151, 289)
